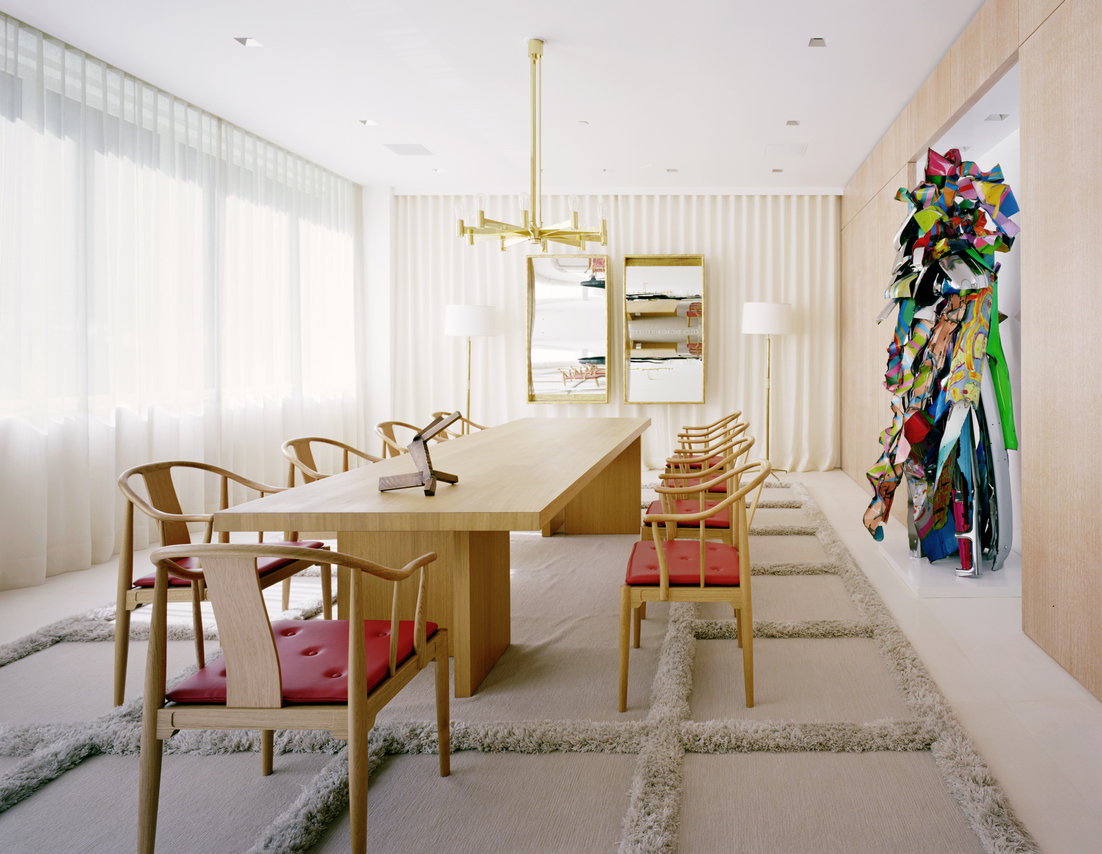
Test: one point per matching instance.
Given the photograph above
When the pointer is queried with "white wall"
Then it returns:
(782, 248)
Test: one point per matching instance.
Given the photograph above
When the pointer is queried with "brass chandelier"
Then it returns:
(532, 229)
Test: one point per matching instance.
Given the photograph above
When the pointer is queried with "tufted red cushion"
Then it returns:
(695, 481)
(683, 559)
(722, 519)
(714, 461)
(264, 566)
(313, 658)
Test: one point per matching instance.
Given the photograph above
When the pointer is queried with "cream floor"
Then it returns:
(1040, 731)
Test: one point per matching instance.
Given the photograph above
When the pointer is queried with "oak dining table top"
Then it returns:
(513, 477)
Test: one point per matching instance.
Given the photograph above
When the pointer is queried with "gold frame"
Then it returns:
(665, 261)
(584, 397)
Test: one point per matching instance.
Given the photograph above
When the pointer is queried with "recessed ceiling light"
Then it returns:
(247, 41)
(369, 123)
(817, 41)
(792, 123)
(438, 170)
(997, 117)
(671, 171)
(778, 170)
(605, 171)
(583, 122)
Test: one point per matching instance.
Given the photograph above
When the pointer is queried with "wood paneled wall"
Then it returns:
(1061, 78)
(1061, 137)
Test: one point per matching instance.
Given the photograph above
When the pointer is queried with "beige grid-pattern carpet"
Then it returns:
(850, 747)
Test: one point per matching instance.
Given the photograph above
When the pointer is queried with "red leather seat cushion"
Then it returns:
(714, 461)
(313, 658)
(263, 566)
(695, 481)
(722, 519)
(683, 560)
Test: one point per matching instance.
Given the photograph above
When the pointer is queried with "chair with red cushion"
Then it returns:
(302, 455)
(665, 569)
(694, 455)
(690, 436)
(701, 490)
(330, 675)
(162, 484)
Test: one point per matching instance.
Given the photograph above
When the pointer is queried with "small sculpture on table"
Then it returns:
(425, 475)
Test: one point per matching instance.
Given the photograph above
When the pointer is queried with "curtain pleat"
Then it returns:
(171, 287)
(756, 248)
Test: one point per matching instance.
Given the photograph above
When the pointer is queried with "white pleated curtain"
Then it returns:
(170, 287)
(760, 248)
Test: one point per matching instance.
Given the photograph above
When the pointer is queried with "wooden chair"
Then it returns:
(301, 458)
(462, 427)
(696, 454)
(397, 435)
(686, 491)
(666, 569)
(689, 436)
(161, 502)
(280, 675)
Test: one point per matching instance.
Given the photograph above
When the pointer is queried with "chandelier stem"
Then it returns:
(535, 54)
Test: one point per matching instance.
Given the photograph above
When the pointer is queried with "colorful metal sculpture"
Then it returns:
(952, 412)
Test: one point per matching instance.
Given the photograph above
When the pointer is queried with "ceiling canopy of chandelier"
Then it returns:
(533, 229)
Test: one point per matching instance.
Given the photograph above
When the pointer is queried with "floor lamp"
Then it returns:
(768, 319)
(468, 321)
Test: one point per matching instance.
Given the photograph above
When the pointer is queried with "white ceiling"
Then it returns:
(631, 88)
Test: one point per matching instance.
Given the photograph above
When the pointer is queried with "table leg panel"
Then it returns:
(610, 503)
(482, 608)
(468, 590)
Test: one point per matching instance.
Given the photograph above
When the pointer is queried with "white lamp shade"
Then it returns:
(766, 318)
(468, 321)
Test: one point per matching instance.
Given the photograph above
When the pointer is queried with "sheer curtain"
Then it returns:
(170, 287)
(755, 247)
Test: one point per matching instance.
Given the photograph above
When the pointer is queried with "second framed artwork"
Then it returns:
(664, 329)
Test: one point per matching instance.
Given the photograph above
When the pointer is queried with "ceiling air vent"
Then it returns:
(407, 149)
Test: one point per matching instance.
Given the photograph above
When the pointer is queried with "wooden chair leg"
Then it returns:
(122, 652)
(197, 622)
(326, 591)
(643, 611)
(738, 625)
(286, 594)
(443, 712)
(746, 631)
(149, 768)
(342, 592)
(636, 625)
(625, 616)
(149, 788)
(267, 751)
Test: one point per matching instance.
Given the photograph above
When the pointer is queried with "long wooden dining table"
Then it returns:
(580, 475)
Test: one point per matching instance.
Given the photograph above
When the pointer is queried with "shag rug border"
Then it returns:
(652, 820)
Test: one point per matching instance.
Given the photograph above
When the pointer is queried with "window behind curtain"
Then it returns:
(170, 285)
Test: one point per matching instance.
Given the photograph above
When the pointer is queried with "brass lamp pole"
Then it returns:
(768, 319)
(468, 321)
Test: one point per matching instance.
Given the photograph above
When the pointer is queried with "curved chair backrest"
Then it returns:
(463, 425)
(397, 435)
(300, 455)
(162, 502)
(743, 480)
